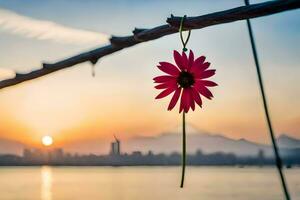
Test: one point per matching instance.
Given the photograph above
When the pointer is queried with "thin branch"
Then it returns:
(143, 35)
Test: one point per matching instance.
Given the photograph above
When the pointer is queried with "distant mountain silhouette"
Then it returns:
(285, 141)
(208, 143)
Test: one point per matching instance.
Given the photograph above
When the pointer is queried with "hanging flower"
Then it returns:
(187, 78)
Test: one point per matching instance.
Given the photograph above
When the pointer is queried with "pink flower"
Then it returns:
(187, 79)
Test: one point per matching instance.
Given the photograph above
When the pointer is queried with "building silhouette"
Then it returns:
(42, 155)
(115, 147)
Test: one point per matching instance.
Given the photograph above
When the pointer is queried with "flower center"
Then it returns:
(185, 79)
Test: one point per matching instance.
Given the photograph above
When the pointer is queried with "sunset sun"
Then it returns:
(47, 140)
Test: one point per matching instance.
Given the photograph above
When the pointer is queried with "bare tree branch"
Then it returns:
(143, 35)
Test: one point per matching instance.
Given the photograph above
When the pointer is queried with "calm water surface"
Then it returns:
(144, 183)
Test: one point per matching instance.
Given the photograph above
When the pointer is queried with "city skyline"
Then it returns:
(115, 157)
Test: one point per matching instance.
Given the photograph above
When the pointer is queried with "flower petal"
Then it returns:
(169, 68)
(174, 99)
(166, 85)
(203, 90)
(205, 65)
(208, 83)
(185, 98)
(207, 73)
(185, 61)
(166, 92)
(162, 79)
(196, 97)
(191, 60)
(178, 60)
(198, 66)
(199, 61)
(192, 102)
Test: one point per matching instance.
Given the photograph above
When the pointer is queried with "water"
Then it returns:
(144, 183)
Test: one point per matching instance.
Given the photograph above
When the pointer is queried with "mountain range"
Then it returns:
(207, 143)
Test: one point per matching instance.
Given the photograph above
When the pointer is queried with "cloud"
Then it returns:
(13, 23)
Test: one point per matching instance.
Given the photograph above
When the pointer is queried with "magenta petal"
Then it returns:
(205, 65)
(187, 101)
(181, 106)
(191, 60)
(162, 79)
(197, 97)
(185, 61)
(165, 85)
(192, 102)
(203, 90)
(182, 101)
(174, 99)
(185, 98)
(197, 72)
(207, 74)
(165, 93)
(169, 68)
(199, 61)
(197, 66)
(208, 83)
(178, 60)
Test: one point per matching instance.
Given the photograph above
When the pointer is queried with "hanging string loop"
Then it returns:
(181, 29)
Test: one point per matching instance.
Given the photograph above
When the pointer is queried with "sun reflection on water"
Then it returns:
(46, 189)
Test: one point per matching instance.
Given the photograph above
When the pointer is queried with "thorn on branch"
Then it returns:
(170, 19)
(123, 41)
(174, 21)
(114, 40)
(47, 65)
(18, 75)
(136, 31)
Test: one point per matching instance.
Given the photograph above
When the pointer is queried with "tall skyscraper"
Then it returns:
(115, 149)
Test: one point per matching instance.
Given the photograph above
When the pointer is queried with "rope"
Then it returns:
(267, 114)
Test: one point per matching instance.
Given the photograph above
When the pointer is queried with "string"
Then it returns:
(184, 43)
(269, 123)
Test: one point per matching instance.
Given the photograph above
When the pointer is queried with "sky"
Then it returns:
(72, 106)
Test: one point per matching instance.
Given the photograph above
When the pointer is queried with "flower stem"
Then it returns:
(183, 149)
